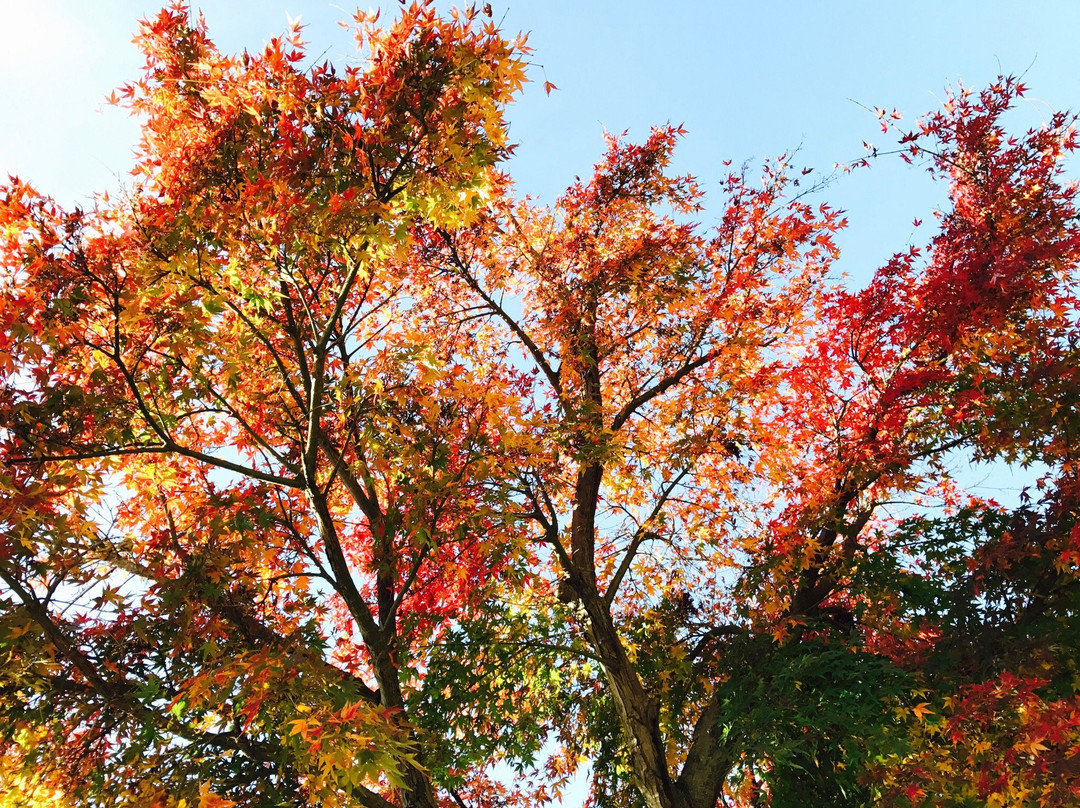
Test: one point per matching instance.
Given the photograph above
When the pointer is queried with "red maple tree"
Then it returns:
(334, 472)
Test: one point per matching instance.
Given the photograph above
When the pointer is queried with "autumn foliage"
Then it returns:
(336, 473)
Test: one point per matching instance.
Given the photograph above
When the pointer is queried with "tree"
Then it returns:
(333, 472)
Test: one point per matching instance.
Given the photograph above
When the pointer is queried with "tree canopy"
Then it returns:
(336, 472)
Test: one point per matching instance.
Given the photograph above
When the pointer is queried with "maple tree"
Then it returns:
(334, 473)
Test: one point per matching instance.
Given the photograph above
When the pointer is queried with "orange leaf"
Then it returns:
(921, 710)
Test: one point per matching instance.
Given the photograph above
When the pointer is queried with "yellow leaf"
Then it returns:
(1034, 747)
(922, 709)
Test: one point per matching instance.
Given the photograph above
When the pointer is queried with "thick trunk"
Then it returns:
(708, 761)
(418, 791)
(583, 521)
(639, 711)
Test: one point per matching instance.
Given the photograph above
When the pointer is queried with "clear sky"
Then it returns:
(747, 81)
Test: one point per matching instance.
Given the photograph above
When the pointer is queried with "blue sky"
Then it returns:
(747, 81)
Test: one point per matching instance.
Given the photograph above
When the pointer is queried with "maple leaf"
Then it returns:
(1033, 747)
(208, 799)
(922, 710)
